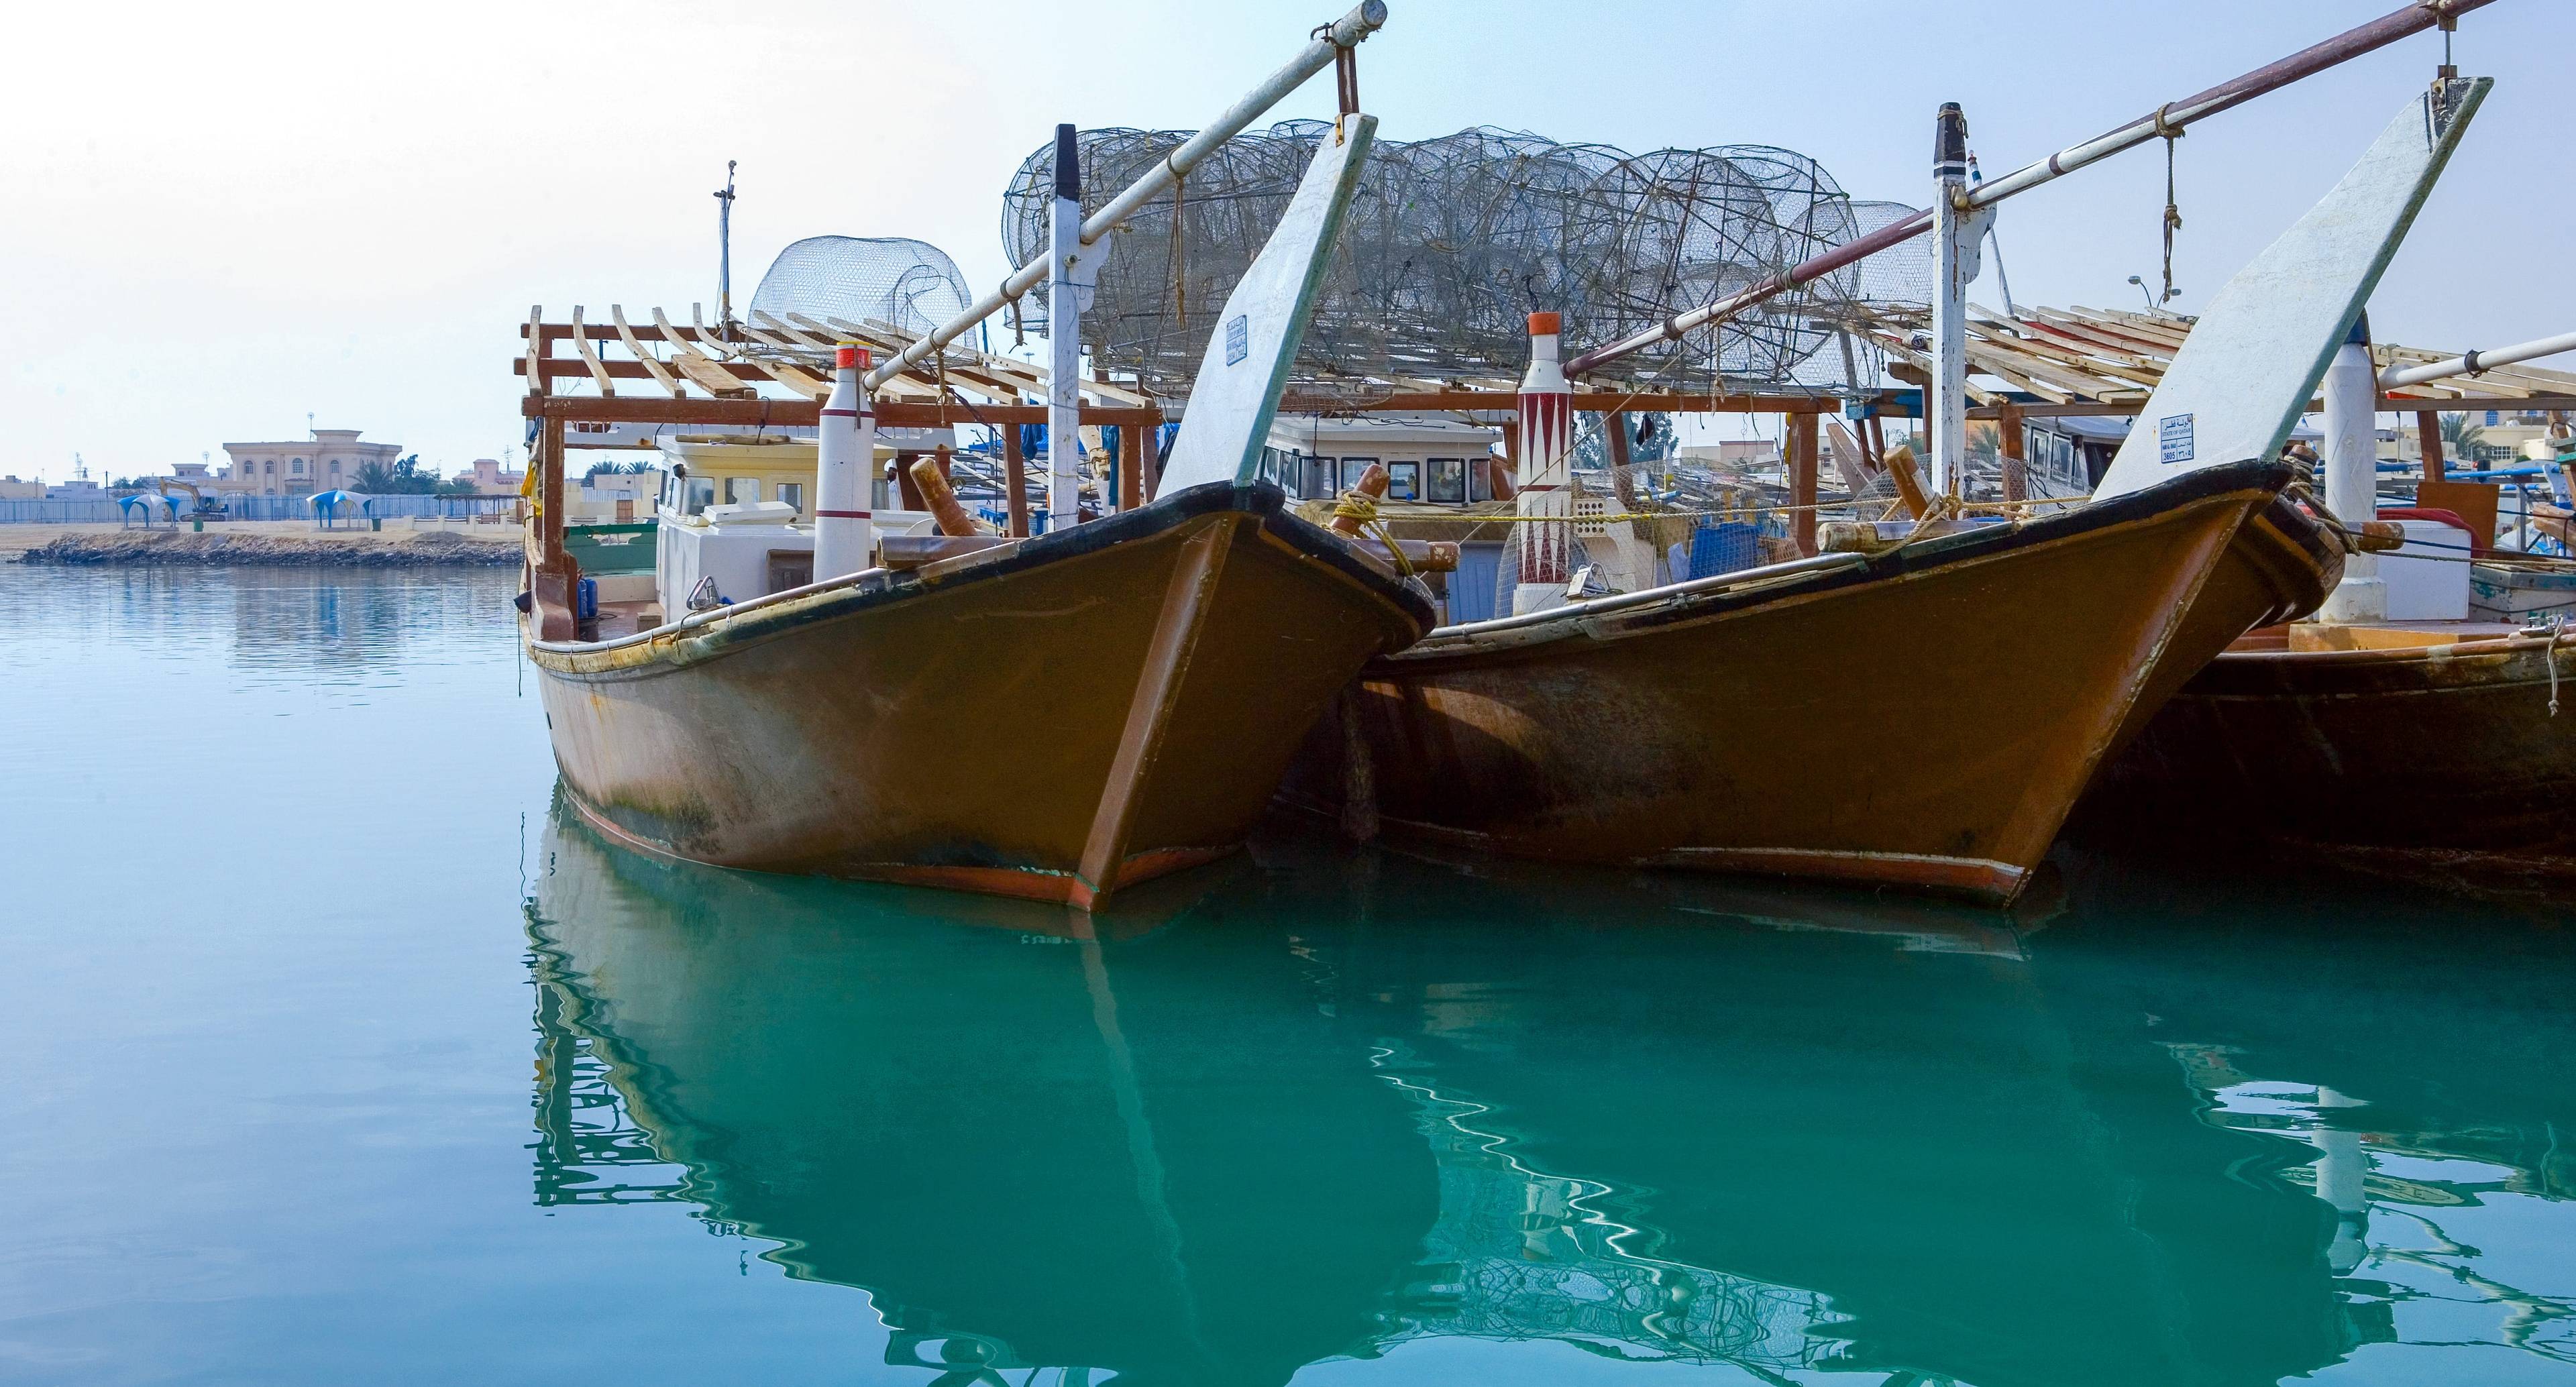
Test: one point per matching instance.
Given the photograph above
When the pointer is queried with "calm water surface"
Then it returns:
(335, 1053)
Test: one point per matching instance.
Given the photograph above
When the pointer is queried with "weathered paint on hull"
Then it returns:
(1923, 720)
(2446, 754)
(1090, 709)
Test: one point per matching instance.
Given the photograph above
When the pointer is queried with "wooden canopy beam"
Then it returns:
(795, 414)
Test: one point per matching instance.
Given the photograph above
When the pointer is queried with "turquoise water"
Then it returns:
(334, 1053)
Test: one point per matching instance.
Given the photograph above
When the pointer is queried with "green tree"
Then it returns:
(1984, 445)
(406, 477)
(2460, 438)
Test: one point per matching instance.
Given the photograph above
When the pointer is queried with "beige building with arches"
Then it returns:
(329, 458)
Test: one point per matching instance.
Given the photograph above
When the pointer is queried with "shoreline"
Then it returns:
(265, 544)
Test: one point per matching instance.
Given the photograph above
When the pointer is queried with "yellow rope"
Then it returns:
(1359, 506)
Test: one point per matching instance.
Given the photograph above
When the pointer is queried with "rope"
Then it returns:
(1357, 505)
(2549, 658)
(2173, 213)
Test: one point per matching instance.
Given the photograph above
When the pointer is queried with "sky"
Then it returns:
(217, 220)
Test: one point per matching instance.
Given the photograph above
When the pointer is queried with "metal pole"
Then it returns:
(1954, 251)
(1364, 19)
(1064, 338)
(2471, 363)
(724, 250)
(2173, 115)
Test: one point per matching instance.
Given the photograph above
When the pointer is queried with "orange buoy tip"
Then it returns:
(1546, 324)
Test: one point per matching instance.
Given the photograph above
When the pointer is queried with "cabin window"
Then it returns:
(1322, 480)
(1480, 480)
(741, 490)
(1404, 481)
(793, 493)
(1353, 468)
(701, 493)
(1448, 479)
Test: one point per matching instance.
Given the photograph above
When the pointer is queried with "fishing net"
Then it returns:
(908, 284)
(1450, 243)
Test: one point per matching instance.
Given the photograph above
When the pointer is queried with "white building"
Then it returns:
(1426, 459)
(330, 458)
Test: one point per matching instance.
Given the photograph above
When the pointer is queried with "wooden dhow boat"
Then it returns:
(1924, 716)
(2422, 747)
(1158, 666)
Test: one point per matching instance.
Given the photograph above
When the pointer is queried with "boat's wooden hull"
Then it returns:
(2440, 754)
(1923, 719)
(1049, 721)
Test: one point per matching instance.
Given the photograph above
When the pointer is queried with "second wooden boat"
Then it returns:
(1923, 717)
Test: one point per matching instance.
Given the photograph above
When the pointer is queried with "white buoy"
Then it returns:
(1546, 539)
(2352, 472)
(845, 537)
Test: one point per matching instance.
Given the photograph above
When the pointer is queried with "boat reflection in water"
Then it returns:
(1317, 1109)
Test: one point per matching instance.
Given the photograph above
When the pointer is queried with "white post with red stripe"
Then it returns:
(1545, 543)
(845, 532)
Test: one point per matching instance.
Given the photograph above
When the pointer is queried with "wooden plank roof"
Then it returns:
(2114, 357)
(764, 358)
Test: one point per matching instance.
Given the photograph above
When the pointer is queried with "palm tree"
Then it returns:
(2460, 438)
(1985, 444)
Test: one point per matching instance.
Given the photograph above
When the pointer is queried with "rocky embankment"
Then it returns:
(360, 549)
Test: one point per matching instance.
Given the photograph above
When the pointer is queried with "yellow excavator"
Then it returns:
(200, 506)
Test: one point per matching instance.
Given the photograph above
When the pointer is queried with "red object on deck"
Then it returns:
(2477, 548)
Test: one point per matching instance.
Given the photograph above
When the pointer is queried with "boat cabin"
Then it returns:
(1426, 459)
(737, 513)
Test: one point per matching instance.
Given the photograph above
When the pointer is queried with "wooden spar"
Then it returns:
(1150, 461)
(1614, 434)
(1167, 660)
(1909, 483)
(1851, 457)
(2010, 444)
(1327, 45)
(930, 479)
(1585, 402)
(1371, 484)
(2428, 433)
(1131, 467)
(2173, 115)
(1015, 481)
(789, 414)
(907, 488)
(1802, 483)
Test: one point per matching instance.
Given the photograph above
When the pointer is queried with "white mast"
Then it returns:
(1074, 269)
(1956, 230)
(2352, 471)
(845, 535)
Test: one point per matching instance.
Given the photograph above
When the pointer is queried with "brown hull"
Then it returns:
(1049, 721)
(2445, 753)
(1924, 718)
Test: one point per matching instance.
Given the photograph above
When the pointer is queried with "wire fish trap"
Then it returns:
(1452, 242)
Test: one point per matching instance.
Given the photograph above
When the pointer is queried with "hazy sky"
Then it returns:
(220, 217)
